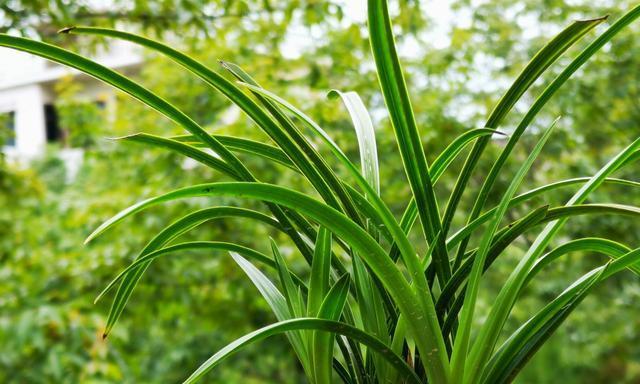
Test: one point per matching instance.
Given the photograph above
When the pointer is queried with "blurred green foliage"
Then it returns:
(188, 306)
(82, 122)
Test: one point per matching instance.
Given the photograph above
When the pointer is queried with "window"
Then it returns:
(51, 122)
(8, 128)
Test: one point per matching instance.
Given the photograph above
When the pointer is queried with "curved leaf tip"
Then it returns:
(333, 94)
(496, 132)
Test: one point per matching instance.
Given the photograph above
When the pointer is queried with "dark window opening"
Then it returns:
(51, 122)
(8, 121)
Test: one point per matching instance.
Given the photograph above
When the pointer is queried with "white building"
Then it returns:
(27, 99)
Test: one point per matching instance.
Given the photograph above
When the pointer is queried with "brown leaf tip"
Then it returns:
(66, 30)
(594, 20)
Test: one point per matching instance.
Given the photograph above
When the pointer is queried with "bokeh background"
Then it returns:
(459, 56)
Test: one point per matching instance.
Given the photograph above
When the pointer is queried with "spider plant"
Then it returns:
(374, 310)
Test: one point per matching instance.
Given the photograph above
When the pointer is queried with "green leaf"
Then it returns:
(334, 301)
(527, 344)
(142, 94)
(376, 210)
(212, 78)
(469, 228)
(320, 272)
(322, 345)
(366, 136)
(247, 146)
(257, 114)
(539, 64)
(373, 315)
(184, 149)
(397, 344)
(541, 101)
(272, 153)
(291, 293)
(289, 140)
(415, 164)
(307, 324)
(566, 212)
(463, 335)
(565, 183)
(268, 290)
(607, 247)
(452, 150)
(381, 210)
(126, 85)
(503, 238)
(278, 305)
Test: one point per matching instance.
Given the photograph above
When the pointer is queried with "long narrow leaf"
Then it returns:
(365, 134)
(464, 331)
(184, 149)
(169, 233)
(541, 101)
(278, 305)
(289, 289)
(331, 309)
(396, 96)
(140, 93)
(198, 245)
(439, 166)
(238, 144)
(593, 244)
(123, 83)
(508, 234)
(320, 272)
(529, 340)
(564, 211)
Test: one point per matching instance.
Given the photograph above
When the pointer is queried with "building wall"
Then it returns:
(27, 103)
